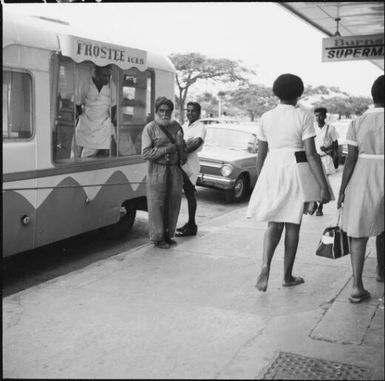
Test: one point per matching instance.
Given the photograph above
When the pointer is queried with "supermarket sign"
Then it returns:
(353, 48)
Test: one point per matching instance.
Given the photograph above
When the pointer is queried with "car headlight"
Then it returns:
(226, 170)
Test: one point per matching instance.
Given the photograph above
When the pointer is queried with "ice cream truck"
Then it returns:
(49, 192)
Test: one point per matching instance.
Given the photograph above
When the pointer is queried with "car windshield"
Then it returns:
(228, 138)
(220, 121)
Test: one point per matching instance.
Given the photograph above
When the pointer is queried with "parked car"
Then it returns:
(219, 121)
(228, 160)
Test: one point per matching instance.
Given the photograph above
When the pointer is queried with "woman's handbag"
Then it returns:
(310, 188)
(327, 162)
(334, 242)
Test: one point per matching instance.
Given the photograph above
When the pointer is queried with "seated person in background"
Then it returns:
(94, 130)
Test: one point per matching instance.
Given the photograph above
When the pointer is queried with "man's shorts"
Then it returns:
(188, 186)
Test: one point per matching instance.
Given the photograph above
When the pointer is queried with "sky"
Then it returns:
(264, 36)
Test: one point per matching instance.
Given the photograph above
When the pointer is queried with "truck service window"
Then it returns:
(127, 97)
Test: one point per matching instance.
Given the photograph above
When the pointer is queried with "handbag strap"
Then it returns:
(167, 133)
(171, 138)
(326, 133)
(339, 218)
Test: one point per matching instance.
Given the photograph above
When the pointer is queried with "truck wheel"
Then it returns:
(124, 225)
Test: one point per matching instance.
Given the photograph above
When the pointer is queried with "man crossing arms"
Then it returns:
(194, 135)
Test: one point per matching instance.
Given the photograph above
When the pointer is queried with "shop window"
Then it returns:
(17, 105)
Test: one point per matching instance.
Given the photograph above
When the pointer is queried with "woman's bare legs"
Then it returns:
(271, 239)
(380, 257)
(291, 245)
(358, 248)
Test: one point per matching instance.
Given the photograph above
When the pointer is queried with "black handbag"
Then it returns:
(334, 242)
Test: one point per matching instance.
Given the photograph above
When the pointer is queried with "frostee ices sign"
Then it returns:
(102, 53)
(352, 48)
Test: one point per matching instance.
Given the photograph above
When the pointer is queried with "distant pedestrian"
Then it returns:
(162, 147)
(194, 135)
(277, 196)
(327, 146)
(362, 189)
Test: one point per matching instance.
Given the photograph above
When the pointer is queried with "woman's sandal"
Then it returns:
(359, 298)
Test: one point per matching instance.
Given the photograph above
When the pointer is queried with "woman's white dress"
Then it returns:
(277, 195)
(363, 207)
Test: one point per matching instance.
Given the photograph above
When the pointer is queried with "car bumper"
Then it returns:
(213, 181)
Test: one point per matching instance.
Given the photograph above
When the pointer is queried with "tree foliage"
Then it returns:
(345, 106)
(209, 103)
(193, 67)
(255, 100)
(249, 99)
(322, 90)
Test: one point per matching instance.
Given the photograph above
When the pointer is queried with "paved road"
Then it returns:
(33, 267)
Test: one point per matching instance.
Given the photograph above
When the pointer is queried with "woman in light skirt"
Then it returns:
(362, 189)
(277, 197)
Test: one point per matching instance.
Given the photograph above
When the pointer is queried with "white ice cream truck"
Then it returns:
(49, 194)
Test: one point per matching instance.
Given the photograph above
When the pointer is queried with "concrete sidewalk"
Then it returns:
(193, 312)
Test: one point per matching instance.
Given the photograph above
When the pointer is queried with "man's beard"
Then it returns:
(163, 122)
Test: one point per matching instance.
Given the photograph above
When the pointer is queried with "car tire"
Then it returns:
(239, 191)
(123, 226)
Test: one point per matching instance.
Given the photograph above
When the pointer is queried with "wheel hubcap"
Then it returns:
(238, 188)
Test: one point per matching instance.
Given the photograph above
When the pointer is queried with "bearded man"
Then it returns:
(163, 149)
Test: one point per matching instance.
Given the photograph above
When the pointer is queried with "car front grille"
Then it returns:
(210, 170)
(212, 164)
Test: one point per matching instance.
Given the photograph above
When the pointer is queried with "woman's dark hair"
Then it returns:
(378, 90)
(322, 110)
(288, 87)
(196, 106)
(163, 101)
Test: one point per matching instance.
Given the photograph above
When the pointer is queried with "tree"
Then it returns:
(255, 100)
(193, 67)
(322, 89)
(346, 106)
(360, 104)
(209, 103)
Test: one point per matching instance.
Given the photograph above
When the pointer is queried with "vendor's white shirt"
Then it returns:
(325, 136)
(94, 129)
(193, 131)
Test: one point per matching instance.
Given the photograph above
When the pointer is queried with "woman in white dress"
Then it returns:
(277, 196)
(362, 189)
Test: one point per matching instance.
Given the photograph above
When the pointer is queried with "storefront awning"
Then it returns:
(358, 19)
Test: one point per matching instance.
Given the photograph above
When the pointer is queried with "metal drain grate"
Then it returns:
(290, 366)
